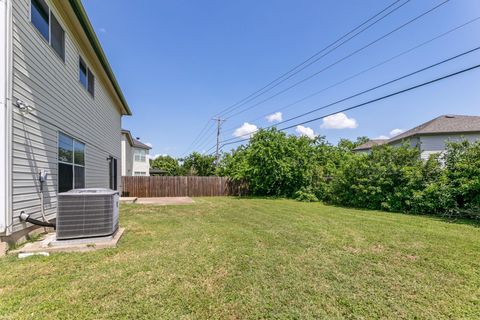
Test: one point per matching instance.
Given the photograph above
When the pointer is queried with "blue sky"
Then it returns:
(180, 62)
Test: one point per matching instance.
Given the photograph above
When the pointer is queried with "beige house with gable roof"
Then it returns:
(432, 136)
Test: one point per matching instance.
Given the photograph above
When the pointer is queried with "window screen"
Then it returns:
(48, 26)
(87, 79)
(83, 72)
(91, 83)
(58, 37)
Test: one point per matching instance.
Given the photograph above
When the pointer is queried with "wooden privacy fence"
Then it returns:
(162, 186)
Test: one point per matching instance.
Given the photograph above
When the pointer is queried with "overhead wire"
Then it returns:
(423, 84)
(366, 70)
(341, 60)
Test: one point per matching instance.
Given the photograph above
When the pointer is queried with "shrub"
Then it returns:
(389, 178)
(305, 195)
(273, 164)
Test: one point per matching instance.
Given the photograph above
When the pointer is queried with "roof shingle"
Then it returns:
(439, 125)
(443, 124)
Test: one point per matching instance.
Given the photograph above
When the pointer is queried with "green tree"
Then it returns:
(168, 164)
(197, 164)
(273, 163)
(384, 179)
(349, 145)
(462, 164)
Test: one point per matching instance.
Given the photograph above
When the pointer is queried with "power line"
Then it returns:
(210, 134)
(368, 69)
(374, 100)
(371, 89)
(207, 134)
(340, 60)
(203, 131)
(302, 66)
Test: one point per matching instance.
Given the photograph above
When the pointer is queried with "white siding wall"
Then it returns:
(127, 157)
(432, 144)
(60, 103)
(140, 166)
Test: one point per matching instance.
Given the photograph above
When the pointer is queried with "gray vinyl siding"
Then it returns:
(60, 104)
(431, 144)
(412, 142)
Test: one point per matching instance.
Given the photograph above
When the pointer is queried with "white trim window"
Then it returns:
(140, 173)
(86, 77)
(140, 155)
(48, 26)
(71, 163)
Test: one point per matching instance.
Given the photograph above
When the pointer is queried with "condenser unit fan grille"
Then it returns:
(84, 214)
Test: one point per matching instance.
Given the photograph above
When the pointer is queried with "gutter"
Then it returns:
(92, 37)
(5, 113)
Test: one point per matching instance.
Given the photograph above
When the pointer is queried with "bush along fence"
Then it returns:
(182, 186)
(388, 178)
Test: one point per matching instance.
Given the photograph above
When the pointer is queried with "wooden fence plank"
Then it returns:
(191, 186)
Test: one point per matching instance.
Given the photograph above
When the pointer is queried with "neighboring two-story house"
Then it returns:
(432, 136)
(135, 156)
(60, 108)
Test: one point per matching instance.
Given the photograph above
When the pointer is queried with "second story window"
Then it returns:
(48, 26)
(86, 77)
(140, 156)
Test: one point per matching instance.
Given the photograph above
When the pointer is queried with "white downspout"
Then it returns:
(5, 115)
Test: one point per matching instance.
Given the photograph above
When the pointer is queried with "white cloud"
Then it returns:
(275, 117)
(396, 132)
(149, 144)
(393, 133)
(102, 30)
(339, 121)
(244, 130)
(305, 131)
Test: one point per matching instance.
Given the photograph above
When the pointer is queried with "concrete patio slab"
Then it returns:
(50, 244)
(3, 248)
(128, 199)
(166, 201)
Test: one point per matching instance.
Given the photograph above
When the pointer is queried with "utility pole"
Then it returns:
(219, 126)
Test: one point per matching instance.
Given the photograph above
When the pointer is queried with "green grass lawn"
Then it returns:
(226, 258)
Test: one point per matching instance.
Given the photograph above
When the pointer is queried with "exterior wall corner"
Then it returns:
(5, 114)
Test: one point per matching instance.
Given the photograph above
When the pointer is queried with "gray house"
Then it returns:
(431, 137)
(60, 109)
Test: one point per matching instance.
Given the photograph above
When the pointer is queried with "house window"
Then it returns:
(140, 156)
(139, 173)
(71, 163)
(86, 77)
(48, 26)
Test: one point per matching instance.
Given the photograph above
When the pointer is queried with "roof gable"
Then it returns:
(134, 142)
(443, 124)
(370, 144)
